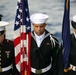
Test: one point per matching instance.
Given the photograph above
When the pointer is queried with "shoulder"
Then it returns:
(72, 35)
(54, 39)
(9, 41)
(58, 45)
(55, 42)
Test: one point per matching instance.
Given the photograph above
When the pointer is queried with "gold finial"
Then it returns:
(67, 4)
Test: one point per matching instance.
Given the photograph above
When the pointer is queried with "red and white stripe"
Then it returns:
(22, 48)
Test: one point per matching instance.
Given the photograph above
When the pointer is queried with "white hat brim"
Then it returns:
(3, 23)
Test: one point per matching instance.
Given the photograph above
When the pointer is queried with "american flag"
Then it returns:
(22, 37)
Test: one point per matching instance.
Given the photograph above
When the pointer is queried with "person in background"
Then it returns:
(46, 51)
(7, 60)
(72, 55)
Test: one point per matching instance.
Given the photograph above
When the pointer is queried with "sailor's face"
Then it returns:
(39, 28)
